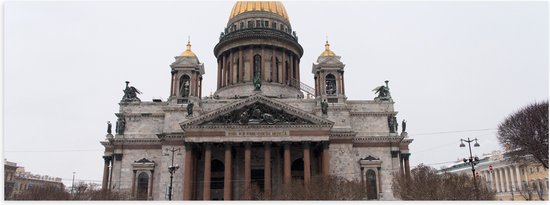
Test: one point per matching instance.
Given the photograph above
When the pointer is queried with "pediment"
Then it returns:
(256, 110)
(144, 160)
(329, 60)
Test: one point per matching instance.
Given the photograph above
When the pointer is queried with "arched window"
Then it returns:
(371, 185)
(237, 71)
(277, 63)
(184, 86)
(287, 69)
(257, 66)
(330, 81)
(228, 74)
(143, 184)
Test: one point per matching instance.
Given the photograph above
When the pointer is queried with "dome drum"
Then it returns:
(243, 90)
(269, 37)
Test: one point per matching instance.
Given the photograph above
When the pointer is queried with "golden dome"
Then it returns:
(327, 51)
(267, 6)
(188, 52)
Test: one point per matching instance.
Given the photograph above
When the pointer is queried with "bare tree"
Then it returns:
(43, 192)
(319, 188)
(525, 133)
(425, 183)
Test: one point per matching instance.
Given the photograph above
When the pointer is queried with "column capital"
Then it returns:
(405, 155)
(188, 145)
(107, 159)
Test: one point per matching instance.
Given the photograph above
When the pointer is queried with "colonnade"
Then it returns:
(505, 179)
(205, 149)
(284, 65)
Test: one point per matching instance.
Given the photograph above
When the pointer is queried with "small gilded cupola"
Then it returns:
(328, 73)
(187, 73)
(327, 51)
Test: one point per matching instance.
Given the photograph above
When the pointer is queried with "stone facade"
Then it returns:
(242, 136)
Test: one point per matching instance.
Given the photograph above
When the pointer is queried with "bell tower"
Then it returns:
(328, 73)
(187, 73)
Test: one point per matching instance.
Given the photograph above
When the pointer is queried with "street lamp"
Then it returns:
(472, 161)
(172, 169)
(72, 187)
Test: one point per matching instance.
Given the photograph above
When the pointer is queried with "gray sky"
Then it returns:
(452, 66)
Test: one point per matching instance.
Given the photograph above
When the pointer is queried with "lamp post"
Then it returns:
(472, 161)
(172, 169)
(72, 187)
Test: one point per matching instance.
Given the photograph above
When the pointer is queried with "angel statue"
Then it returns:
(383, 92)
(257, 83)
(130, 94)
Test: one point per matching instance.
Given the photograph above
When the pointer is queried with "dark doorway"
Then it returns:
(143, 184)
(297, 169)
(217, 180)
(371, 185)
(258, 178)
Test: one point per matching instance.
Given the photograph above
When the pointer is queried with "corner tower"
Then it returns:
(258, 42)
(329, 76)
(187, 73)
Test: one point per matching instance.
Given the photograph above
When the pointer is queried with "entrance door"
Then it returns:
(143, 184)
(371, 185)
(258, 179)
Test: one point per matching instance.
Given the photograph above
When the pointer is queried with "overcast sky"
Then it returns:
(453, 67)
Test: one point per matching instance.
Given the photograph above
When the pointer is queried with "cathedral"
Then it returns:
(262, 127)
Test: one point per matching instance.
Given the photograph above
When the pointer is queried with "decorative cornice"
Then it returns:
(140, 114)
(254, 33)
(124, 141)
(355, 113)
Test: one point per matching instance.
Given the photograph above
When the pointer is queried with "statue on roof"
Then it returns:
(120, 125)
(403, 125)
(383, 92)
(130, 94)
(109, 127)
(257, 83)
(324, 107)
(190, 108)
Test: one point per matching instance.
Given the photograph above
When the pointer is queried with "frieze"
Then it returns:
(258, 113)
(223, 126)
(140, 114)
(284, 133)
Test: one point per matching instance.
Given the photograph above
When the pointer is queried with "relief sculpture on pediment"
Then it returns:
(258, 113)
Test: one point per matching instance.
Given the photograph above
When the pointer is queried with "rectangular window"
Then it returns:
(250, 24)
(531, 169)
(274, 25)
(266, 24)
(258, 23)
(242, 25)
